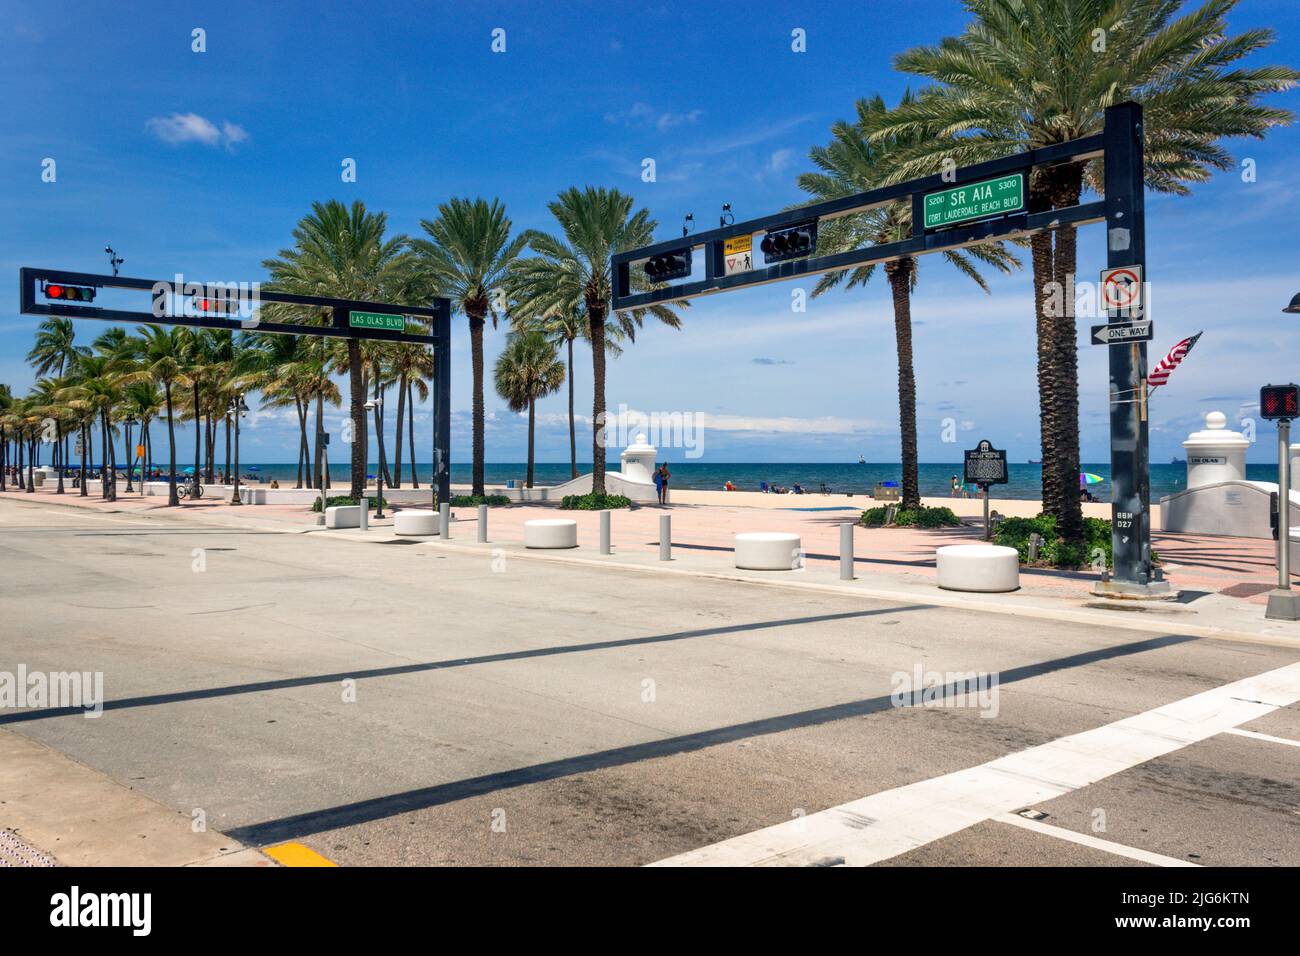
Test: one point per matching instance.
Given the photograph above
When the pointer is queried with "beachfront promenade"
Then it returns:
(355, 697)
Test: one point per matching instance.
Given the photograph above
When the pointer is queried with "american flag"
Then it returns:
(1160, 374)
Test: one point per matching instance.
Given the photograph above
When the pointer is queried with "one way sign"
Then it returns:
(1122, 334)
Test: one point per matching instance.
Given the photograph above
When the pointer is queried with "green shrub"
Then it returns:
(594, 502)
(1015, 532)
(921, 517)
(471, 501)
(341, 500)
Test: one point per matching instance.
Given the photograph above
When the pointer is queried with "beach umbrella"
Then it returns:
(254, 468)
(1088, 478)
(189, 470)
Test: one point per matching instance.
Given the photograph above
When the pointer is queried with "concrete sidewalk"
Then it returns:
(1224, 581)
(81, 817)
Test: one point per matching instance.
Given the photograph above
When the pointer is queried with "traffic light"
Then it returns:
(669, 265)
(69, 293)
(1279, 402)
(216, 306)
(793, 242)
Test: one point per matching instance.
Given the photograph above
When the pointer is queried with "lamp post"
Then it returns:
(1294, 307)
(371, 405)
(237, 408)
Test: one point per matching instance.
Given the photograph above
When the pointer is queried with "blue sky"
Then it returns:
(202, 163)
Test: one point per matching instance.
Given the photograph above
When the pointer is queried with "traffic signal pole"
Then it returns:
(1129, 453)
(1283, 603)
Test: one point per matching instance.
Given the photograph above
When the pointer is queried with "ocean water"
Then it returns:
(1025, 479)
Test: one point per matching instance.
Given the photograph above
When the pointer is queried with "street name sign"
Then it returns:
(992, 197)
(377, 320)
(1123, 334)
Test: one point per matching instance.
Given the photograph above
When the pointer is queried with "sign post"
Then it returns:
(1126, 252)
(985, 466)
(1282, 404)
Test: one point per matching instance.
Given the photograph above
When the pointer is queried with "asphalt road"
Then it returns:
(394, 704)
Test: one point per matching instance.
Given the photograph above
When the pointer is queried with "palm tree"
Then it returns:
(163, 357)
(850, 164)
(527, 369)
(6, 403)
(96, 392)
(48, 406)
(468, 255)
(1025, 75)
(574, 273)
(55, 350)
(411, 364)
(339, 252)
(142, 401)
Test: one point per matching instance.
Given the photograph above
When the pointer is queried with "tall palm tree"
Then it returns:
(143, 402)
(850, 164)
(563, 328)
(468, 254)
(411, 365)
(6, 403)
(49, 407)
(340, 252)
(1029, 74)
(527, 369)
(163, 355)
(574, 273)
(277, 370)
(97, 391)
(55, 351)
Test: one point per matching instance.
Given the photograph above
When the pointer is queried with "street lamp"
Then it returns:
(237, 408)
(1294, 307)
(371, 405)
(130, 463)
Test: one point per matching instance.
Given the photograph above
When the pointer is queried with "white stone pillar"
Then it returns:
(1216, 453)
(638, 461)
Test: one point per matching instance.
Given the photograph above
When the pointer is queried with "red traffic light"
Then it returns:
(1279, 402)
(69, 293)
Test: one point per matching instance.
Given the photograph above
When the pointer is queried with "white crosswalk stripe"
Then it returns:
(896, 821)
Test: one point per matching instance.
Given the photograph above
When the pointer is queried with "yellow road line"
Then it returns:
(295, 854)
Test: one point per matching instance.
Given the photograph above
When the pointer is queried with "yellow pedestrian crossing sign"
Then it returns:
(738, 254)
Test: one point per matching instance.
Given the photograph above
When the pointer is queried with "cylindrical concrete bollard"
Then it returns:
(846, 552)
(482, 524)
(665, 538)
(364, 523)
(604, 532)
(444, 520)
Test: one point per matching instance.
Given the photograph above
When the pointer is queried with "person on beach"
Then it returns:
(661, 482)
(955, 492)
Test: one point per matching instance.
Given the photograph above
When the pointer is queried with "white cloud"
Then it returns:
(193, 128)
(643, 114)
